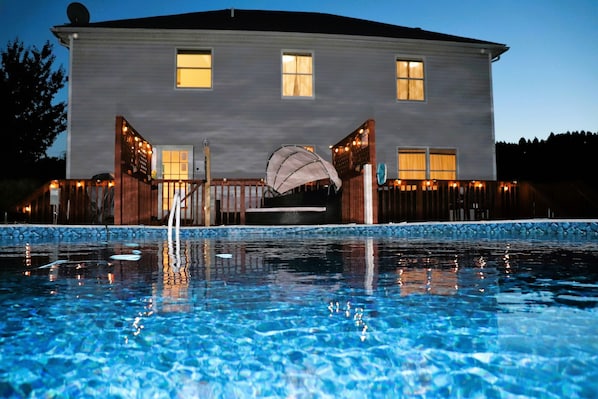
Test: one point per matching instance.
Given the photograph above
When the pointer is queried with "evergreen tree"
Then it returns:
(29, 119)
(561, 157)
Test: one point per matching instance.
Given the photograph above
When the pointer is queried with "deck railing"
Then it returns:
(229, 199)
(72, 201)
(92, 201)
(431, 200)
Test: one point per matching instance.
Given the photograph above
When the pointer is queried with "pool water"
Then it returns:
(344, 317)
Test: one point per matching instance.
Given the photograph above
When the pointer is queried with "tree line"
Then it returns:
(561, 157)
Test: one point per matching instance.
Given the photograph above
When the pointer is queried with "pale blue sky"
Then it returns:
(547, 81)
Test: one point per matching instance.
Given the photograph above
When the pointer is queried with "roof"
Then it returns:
(281, 21)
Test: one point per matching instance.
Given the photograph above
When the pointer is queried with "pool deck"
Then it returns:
(555, 229)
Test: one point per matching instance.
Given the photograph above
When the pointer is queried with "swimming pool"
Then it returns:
(300, 317)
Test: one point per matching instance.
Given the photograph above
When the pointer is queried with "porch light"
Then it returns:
(79, 184)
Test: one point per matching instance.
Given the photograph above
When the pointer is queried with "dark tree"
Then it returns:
(561, 157)
(29, 119)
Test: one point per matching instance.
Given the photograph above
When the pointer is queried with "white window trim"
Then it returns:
(313, 74)
(176, 51)
(158, 151)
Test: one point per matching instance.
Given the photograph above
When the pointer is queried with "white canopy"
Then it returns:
(292, 166)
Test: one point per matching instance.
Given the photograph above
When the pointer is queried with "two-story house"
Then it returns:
(250, 81)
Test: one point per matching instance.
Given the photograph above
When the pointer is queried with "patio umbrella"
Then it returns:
(292, 166)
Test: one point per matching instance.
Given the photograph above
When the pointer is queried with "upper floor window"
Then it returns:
(194, 69)
(297, 75)
(410, 80)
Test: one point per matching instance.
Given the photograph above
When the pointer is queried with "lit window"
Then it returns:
(412, 164)
(443, 165)
(175, 166)
(410, 80)
(194, 69)
(297, 75)
(421, 164)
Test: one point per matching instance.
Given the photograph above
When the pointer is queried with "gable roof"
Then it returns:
(282, 21)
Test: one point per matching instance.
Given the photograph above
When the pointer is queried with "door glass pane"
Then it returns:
(175, 166)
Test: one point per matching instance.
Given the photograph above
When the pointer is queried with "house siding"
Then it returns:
(244, 117)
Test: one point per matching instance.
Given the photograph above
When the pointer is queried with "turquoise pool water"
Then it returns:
(300, 317)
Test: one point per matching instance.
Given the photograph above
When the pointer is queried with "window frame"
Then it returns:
(429, 151)
(441, 151)
(309, 53)
(203, 50)
(158, 165)
(411, 58)
(412, 150)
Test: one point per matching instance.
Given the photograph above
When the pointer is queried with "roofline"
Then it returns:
(279, 21)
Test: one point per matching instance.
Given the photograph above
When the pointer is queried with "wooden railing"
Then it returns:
(92, 201)
(230, 198)
(431, 200)
(70, 202)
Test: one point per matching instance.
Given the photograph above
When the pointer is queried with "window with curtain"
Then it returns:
(194, 69)
(443, 165)
(410, 80)
(425, 163)
(297, 75)
(412, 164)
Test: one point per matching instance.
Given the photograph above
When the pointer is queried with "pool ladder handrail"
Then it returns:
(175, 209)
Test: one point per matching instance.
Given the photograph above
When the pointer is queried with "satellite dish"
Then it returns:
(381, 173)
(78, 14)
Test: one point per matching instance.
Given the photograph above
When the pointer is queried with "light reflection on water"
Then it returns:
(299, 317)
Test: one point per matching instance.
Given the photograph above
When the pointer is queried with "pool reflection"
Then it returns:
(170, 272)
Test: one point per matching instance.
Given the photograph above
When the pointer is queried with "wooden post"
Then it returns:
(368, 207)
(207, 197)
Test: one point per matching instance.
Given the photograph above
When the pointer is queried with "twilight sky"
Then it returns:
(547, 81)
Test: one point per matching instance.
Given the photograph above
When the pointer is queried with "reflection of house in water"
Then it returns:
(180, 269)
(428, 281)
(172, 284)
(288, 262)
